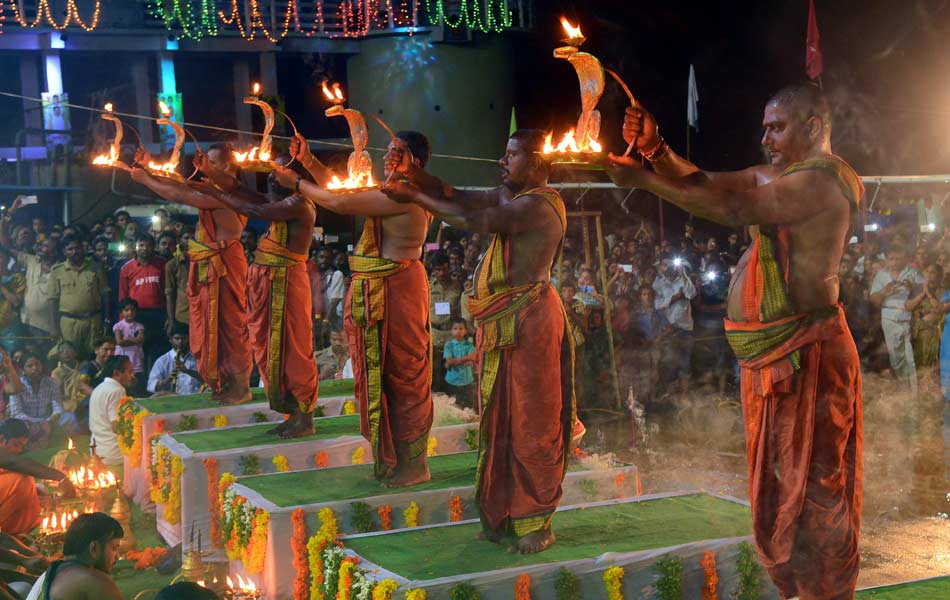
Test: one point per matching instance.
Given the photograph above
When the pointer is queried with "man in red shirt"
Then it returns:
(143, 280)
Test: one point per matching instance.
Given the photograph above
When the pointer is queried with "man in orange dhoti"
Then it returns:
(525, 347)
(386, 316)
(801, 379)
(217, 280)
(278, 295)
(19, 503)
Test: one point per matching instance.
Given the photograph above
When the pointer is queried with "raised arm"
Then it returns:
(300, 149)
(177, 193)
(372, 203)
(252, 204)
(398, 159)
(786, 200)
(525, 213)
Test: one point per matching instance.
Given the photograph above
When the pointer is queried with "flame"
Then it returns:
(106, 159)
(58, 523)
(571, 31)
(256, 89)
(230, 583)
(568, 144)
(252, 155)
(162, 167)
(163, 108)
(71, 445)
(88, 478)
(201, 583)
(353, 182)
(246, 585)
(108, 107)
(335, 95)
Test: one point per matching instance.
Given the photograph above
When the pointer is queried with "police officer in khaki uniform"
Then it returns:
(444, 305)
(79, 298)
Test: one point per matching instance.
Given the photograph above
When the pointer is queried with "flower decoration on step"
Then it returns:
(385, 513)
(384, 590)
(523, 587)
(344, 586)
(613, 581)
(146, 559)
(669, 585)
(256, 547)
(214, 509)
(432, 447)
(321, 460)
(280, 463)
(455, 509)
(411, 514)
(566, 586)
(358, 454)
(619, 481)
(416, 595)
(349, 407)
(165, 471)
(129, 421)
(710, 576)
(298, 545)
(220, 421)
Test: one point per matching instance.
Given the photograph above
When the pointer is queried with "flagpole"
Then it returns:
(687, 140)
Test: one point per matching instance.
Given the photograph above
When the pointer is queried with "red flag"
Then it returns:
(813, 62)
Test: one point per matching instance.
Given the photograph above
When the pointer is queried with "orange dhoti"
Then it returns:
(387, 323)
(526, 388)
(19, 503)
(217, 292)
(281, 327)
(805, 444)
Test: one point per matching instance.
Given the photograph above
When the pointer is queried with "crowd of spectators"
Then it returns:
(651, 314)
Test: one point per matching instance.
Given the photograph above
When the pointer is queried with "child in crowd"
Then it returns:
(130, 341)
(459, 355)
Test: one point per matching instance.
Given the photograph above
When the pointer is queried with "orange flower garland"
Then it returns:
(710, 576)
(618, 483)
(344, 586)
(256, 547)
(130, 430)
(385, 517)
(523, 587)
(145, 559)
(455, 509)
(214, 509)
(298, 544)
(322, 459)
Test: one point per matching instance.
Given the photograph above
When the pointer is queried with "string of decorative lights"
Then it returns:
(258, 22)
(318, 24)
(43, 9)
(195, 28)
(497, 16)
(3, 17)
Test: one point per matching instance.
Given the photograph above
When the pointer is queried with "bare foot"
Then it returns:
(298, 425)
(280, 428)
(489, 536)
(235, 397)
(409, 473)
(536, 541)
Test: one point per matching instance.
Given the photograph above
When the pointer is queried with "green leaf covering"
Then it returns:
(295, 488)
(929, 589)
(189, 402)
(581, 534)
(256, 435)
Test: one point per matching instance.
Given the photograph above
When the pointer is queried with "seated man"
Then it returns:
(40, 405)
(19, 504)
(332, 360)
(67, 376)
(91, 547)
(177, 370)
(104, 408)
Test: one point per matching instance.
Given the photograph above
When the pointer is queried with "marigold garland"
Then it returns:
(344, 585)
(129, 422)
(256, 547)
(147, 558)
(455, 509)
(411, 514)
(214, 509)
(298, 546)
(613, 580)
(523, 587)
(385, 589)
(416, 595)
(358, 455)
(173, 505)
(224, 532)
(349, 407)
(710, 576)
(280, 463)
(315, 548)
(322, 459)
(385, 513)
(220, 421)
(432, 447)
(619, 481)
(166, 473)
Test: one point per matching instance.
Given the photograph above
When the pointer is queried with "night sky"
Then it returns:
(887, 72)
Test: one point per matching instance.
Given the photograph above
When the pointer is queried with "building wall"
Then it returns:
(459, 95)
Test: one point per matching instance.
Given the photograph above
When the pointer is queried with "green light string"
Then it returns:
(181, 12)
(496, 18)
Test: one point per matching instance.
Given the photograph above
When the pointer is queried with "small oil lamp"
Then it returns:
(258, 157)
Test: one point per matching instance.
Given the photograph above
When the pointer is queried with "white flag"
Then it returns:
(692, 101)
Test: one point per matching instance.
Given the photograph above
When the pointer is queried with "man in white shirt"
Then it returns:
(104, 407)
(674, 291)
(176, 370)
(890, 290)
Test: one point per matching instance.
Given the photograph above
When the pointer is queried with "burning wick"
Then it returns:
(336, 95)
(108, 107)
(573, 33)
(256, 89)
(163, 108)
